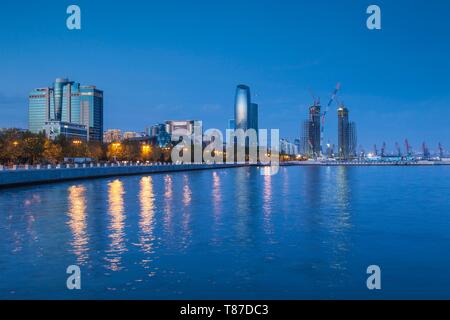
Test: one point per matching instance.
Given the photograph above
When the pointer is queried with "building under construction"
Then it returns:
(347, 138)
(311, 133)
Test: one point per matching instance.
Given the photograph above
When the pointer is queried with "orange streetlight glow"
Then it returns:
(77, 142)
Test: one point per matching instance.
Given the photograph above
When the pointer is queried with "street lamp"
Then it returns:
(77, 142)
(115, 148)
(146, 150)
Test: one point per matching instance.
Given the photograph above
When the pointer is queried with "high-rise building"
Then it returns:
(242, 107)
(310, 139)
(314, 130)
(68, 102)
(347, 140)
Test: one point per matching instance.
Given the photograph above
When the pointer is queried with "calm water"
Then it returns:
(304, 233)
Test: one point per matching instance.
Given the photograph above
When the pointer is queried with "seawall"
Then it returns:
(20, 177)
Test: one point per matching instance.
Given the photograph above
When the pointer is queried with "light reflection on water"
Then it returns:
(147, 219)
(304, 233)
(116, 226)
(77, 223)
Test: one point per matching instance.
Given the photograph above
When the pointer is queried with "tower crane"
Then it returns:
(441, 151)
(327, 109)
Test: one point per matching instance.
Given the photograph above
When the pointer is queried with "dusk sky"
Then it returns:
(161, 60)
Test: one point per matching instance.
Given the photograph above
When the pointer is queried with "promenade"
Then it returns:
(25, 175)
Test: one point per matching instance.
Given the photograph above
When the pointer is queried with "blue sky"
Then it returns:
(160, 60)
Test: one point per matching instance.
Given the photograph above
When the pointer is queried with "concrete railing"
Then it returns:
(31, 175)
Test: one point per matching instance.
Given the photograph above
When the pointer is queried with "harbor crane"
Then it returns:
(426, 151)
(383, 150)
(408, 148)
(399, 151)
(441, 151)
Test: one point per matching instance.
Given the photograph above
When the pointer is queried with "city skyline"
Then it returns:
(386, 76)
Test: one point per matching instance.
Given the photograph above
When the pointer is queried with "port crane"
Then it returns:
(441, 151)
(397, 147)
(426, 151)
(383, 150)
(408, 148)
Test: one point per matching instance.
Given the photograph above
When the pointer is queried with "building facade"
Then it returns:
(346, 135)
(311, 133)
(159, 134)
(54, 129)
(69, 102)
(112, 135)
(245, 112)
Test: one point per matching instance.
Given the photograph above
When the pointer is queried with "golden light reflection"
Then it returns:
(217, 195)
(77, 223)
(168, 201)
(147, 201)
(117, 225)
(186, 223)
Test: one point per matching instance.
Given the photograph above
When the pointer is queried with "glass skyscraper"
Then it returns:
(242, 107)
(69, 102)
(245, 112)
(343, 134)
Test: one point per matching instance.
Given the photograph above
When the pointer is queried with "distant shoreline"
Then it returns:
(33, 176)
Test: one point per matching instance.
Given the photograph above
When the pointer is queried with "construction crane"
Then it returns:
(327, 109)
(426, 151)
(397, 147)
(383, 150)
(362, 151)
(315, 99)
(441, 151)
(408, 148)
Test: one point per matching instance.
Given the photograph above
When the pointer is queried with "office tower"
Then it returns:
(39, 109)
(343, 134)
(310, 138)
(67, 102)
(242, 107)
(314, 130)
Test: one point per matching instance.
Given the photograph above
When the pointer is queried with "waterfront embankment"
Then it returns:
(18, 176)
